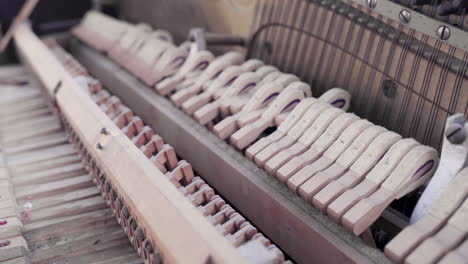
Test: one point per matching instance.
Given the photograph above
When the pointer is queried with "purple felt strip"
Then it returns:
(269, 97)
(231, 81)
(429, 164)
(179, 61)
(247, 87)
(382, 155)
(161, 54)
(201, 66)
(216, 75)
(295, 101)
(339, 103)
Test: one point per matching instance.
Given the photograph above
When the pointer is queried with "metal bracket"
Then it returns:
(203, 39)
(424, 24)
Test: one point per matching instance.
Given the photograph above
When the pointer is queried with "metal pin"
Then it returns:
(140, 234)
(157, 257)
(133, 223)
(149, 246)
(119, 203)
(104, 131)
(57, 87)
(125, 212)
(108, 186)
(113, 194)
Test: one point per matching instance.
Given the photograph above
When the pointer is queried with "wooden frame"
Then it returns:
(177, 229)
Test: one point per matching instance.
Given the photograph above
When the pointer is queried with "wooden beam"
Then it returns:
(24, 13)
(177, 229)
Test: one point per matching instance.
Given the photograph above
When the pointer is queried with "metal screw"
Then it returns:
(99, 146)
(104, 131)
(371, 3)
(405, 16)
(443, 32)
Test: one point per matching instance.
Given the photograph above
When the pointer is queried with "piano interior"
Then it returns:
(235, 131)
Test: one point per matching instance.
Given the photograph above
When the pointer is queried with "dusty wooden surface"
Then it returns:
(69, 221)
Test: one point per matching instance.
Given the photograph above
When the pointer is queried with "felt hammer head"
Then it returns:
(455, 131)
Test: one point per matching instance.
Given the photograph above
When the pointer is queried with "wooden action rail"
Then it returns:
(230, 223)
(170, 216)
(321, 153)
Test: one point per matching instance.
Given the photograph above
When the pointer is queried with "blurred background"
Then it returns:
(49, 16)
(56, 16)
